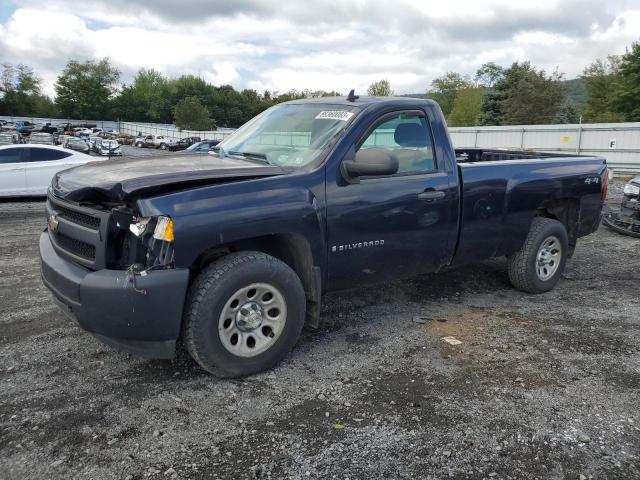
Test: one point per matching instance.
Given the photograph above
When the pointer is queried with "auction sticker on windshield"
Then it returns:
(334, 115)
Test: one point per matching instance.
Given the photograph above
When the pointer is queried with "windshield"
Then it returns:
(291, 135)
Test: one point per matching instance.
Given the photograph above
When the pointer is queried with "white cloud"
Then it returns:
(326, 44)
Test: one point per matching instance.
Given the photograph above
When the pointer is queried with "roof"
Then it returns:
(364, 101)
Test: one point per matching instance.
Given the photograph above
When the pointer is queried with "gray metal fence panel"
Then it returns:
(619, 143)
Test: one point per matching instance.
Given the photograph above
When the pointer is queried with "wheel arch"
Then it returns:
(291, 248)
(567, 212)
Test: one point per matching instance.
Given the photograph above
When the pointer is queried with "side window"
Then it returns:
(10, 155)
(408, 136)
(46, 155)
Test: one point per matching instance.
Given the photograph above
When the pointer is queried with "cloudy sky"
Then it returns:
(339, 45)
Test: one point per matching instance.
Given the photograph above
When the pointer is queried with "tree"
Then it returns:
(600, 79)
(20, 93)
(445, 88)
(532, 96)
(84, 90)
(190, 114)
(523, 95)
(627, 89)
(489, 74)
(381, 88)
(147, 99)
(466, 107)
(568, 114)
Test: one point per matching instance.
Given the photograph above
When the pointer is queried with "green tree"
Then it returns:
(489, 74)
(523, 95)
(20, 93)
(190, 114)
(466, 107)
(601, 79)
(380, 88)
(568, 114)
(445, 88)
(147, 99)
(85, 90)
(627, 90)
(533, 97)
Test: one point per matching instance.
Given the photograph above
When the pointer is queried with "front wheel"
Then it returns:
(538, 265)
(163, 146)
(244, 313)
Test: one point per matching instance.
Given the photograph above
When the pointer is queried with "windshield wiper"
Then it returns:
(262, 157)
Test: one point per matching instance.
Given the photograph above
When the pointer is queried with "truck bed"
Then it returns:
(502, 190)
(471, 155)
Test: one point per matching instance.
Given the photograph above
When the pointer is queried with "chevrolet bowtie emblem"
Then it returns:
(53, 223)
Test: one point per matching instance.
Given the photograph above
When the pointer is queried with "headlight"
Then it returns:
(156, 236)
(631, 189)
(164, 229)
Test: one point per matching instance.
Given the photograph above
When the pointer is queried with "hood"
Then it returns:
(121, 179)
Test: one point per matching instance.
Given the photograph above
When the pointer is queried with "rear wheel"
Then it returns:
(163, 146)
(244, 313)
(139, 145)
(537, 267)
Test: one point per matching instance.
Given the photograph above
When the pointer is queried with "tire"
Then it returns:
(535, 268)
(163, 146)
(139, 145)
(210, 320)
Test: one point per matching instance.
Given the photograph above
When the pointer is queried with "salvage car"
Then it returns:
(42, 138)
(183, 143)
(9, 138)
(77, 145)
(109, 148)
(202, 147)
(232, 253)
(153, 141)
(27, 169)
(627, 219)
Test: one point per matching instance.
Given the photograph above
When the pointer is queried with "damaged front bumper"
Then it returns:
(134, 313)
(627, 220)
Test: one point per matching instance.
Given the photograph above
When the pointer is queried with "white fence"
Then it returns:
(618, 143)
(104, 124)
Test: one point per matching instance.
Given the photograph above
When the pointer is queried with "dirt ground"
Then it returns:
(541, 386)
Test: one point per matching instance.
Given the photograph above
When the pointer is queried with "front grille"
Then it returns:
(79, 218)
(76, 247)
(78, 231)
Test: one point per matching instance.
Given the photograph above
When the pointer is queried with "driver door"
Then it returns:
(386, 226)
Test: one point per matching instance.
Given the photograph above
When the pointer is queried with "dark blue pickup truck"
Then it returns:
(232, 252)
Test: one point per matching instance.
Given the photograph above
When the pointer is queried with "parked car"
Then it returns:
(202, 147)
(9, 138)
(27, 170)
(62, 138)
(183, 143)
(42, 138)
(77, 145)
(109, 148)
(47, 128)
(233, 252)
(153, 141)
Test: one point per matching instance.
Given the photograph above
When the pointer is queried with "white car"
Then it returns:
(27, 170)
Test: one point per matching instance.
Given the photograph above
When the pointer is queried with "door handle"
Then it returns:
(430, 195)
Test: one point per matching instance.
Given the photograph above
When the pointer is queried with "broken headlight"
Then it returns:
(631, 190)
(156, 234)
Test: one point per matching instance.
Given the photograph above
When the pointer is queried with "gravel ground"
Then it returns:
(541, 386)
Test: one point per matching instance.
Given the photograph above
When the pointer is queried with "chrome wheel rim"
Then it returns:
(548, 258)
(252, 320)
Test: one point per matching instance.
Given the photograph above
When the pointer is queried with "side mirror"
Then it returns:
(371, 162)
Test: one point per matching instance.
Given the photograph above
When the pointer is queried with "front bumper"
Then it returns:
(142, 318)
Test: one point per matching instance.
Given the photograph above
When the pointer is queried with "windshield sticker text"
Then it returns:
(334, 115)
